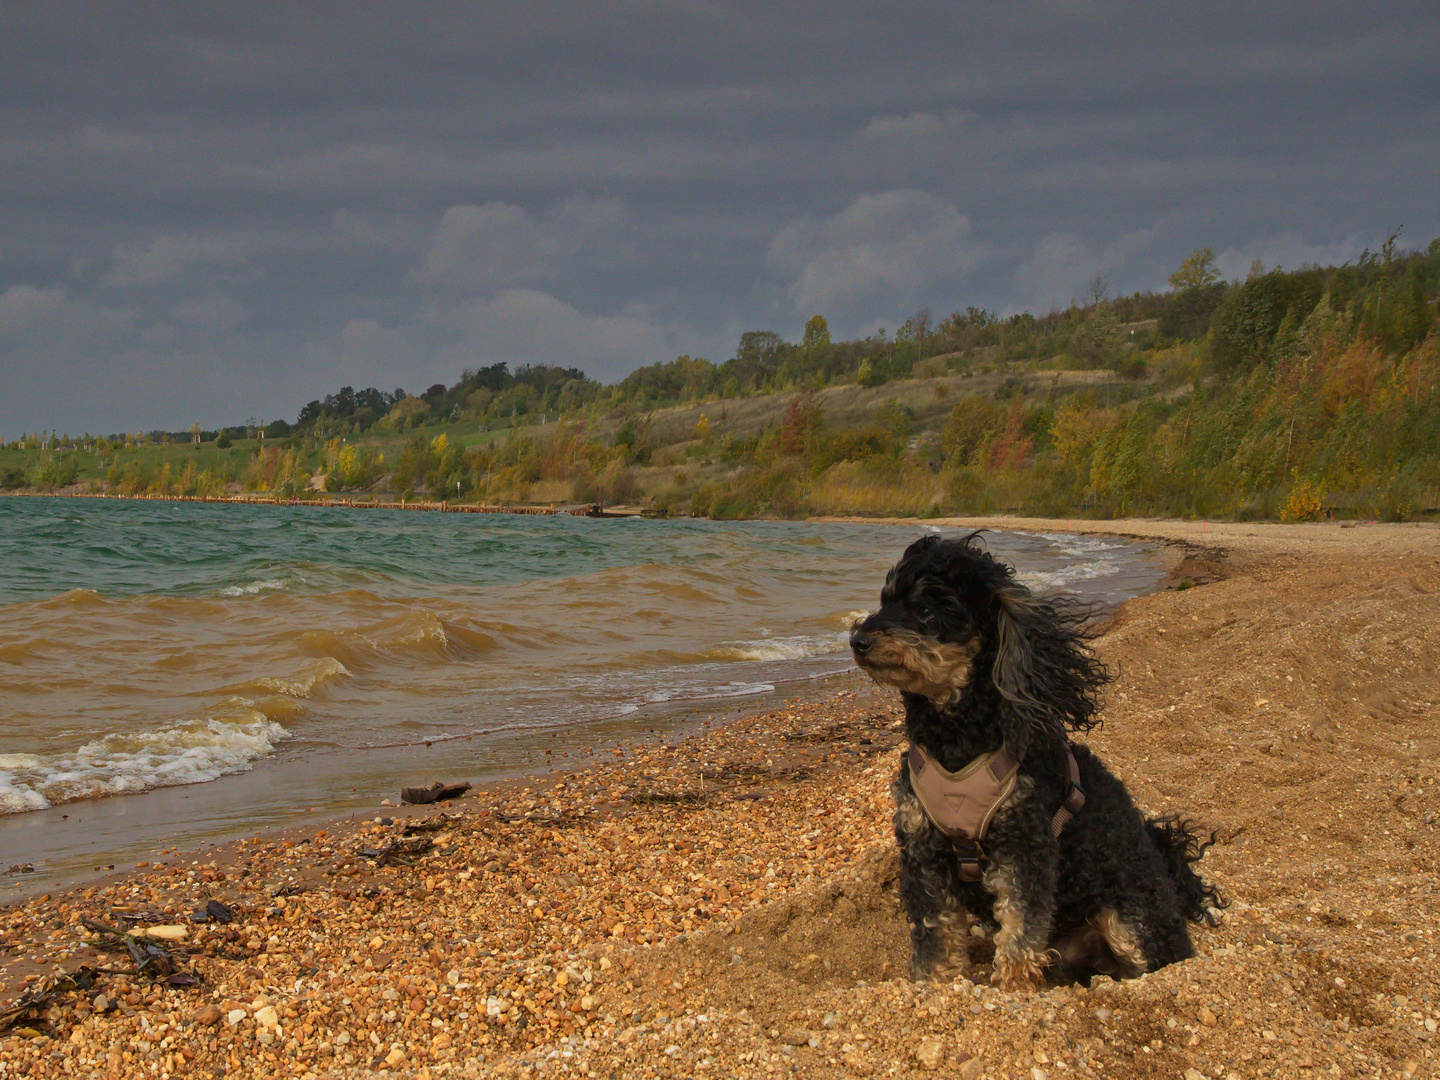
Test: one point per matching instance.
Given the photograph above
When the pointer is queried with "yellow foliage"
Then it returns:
(1304, 503)
(345, 464)
(1077, 428)
(848, 487)
(407, 412)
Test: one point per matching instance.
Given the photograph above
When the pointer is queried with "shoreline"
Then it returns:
(1290, 694)
(588, 745)
(1146, 528)
(593, 510)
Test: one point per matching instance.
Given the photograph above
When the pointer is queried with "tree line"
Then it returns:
(1289, 393)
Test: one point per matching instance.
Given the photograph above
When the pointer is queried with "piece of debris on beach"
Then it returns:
(437, 792)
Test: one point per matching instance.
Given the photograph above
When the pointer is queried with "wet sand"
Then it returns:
(725, 906)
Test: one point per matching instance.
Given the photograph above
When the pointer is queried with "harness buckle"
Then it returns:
(970, 856)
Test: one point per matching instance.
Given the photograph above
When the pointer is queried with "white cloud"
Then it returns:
(499, 244)
(886, 248)
(369, 230)
(516, 326)
(485, 245)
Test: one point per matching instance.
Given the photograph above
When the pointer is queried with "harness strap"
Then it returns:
(1074, 796)
(962, 804)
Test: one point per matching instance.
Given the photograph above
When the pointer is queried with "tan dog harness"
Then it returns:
(961, 804)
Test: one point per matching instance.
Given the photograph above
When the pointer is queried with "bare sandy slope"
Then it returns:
(726, 906)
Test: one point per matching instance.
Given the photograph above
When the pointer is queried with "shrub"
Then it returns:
(973, 422)
(1304, 503)
(58, 472)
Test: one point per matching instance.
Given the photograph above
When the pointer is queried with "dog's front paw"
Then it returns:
(940, 969)
(1020, 969)
(941, 949)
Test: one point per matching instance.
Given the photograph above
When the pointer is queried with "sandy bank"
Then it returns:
(725, 906)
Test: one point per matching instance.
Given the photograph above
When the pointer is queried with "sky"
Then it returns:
(217, 212)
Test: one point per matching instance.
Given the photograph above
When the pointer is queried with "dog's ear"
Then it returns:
(1043, 668)
(1014, 672)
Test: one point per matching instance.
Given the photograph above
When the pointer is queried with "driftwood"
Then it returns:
(434, 793)
(399, 852)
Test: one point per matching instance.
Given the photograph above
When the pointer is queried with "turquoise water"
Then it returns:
(134, 547)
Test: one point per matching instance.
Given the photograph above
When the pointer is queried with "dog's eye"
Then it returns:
(927, 618)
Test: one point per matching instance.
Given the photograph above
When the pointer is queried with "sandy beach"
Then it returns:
(725, 906)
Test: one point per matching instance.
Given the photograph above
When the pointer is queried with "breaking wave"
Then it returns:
(120, 764)
(267, 585)
(798, 647)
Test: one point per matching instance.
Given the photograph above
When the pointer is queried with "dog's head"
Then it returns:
(954, 624)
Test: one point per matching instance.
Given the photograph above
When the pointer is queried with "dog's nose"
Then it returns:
(860, 641)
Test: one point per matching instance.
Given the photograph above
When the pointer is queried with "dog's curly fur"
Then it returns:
(979, 662)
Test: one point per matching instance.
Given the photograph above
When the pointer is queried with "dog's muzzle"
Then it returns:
(860, 642)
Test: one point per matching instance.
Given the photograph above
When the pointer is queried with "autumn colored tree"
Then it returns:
(1196, 271)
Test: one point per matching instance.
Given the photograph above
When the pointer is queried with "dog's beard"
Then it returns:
(915, 664)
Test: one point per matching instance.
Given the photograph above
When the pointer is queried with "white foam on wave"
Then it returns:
(1041, 580)
(268, 584)
(1097, 558)
(302, 686)
(1071, 544)
(799, 647)
(703, 693)
(122, 763)
(18, 800)
(430, 629)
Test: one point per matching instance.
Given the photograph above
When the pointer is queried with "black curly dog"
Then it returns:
(982, 663)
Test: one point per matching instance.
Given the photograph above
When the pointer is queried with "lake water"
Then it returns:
(180, 672)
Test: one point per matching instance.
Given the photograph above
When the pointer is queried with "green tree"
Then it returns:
(1196, 272)
(1097, 340)
(817, 334)
(1244, 326)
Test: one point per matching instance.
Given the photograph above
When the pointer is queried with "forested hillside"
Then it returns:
(1291, 394)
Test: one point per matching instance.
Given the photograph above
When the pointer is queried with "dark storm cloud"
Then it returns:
(215, 211)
